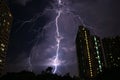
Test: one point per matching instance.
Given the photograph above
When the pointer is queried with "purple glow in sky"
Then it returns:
(58, 49)
(33, 40)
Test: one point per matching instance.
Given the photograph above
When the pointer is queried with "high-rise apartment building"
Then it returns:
(112, 51)
(5, 23)
(89, 54)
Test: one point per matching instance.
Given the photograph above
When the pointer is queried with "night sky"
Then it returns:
(33, 31)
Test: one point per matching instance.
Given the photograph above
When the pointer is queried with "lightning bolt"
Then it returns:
(59, 2)
(58, 38)
(30, 65)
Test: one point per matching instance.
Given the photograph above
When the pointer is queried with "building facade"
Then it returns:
(89, 54)
(112, 51)
(5, 23)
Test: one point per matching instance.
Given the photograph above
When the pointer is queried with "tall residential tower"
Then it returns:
(112, 51)
(89, 54)
(5, 23)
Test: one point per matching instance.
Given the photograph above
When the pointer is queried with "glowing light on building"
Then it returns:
(98, 56)
(88, 51)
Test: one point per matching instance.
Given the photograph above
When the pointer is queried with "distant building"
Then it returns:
(112, 51)
(89, 54)
(5, 23)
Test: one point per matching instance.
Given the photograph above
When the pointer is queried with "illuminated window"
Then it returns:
(111, 57)
(118, 58)
(91, 74)
(99, 61)
(10, 15)
(83, 28)
(100, 70)
(2, 45)
(4, 20)
(0, 60)
(100, 66)
(8, 23)
(95, 38)
(95, 43)
(2, 49)
(96, 47)
(98, 57)
(97, 52)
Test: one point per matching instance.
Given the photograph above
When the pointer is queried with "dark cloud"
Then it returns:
(103, 15)
(22, 2)
(26, 9)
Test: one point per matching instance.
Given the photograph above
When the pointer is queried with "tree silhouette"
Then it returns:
(49, 70)
(45, 75)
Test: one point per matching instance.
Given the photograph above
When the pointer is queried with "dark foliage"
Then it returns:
(45, 75)
(107, 74)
